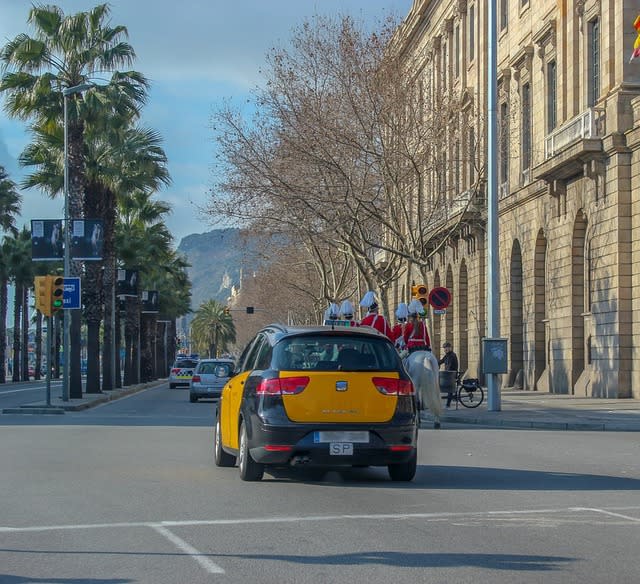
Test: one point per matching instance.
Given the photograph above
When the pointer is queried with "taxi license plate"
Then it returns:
(357, 436)
(341, 449)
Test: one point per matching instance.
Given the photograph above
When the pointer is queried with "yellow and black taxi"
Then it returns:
(320, 396)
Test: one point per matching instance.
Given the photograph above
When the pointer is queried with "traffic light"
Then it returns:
(57, 294)
(42, 286)
(250, 309)
(227, 310)
(420, 292)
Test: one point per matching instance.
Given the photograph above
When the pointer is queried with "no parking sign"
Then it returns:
(440, 298)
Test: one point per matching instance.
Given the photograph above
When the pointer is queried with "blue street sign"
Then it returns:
(71, 296)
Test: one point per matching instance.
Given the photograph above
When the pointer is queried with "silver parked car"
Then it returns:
(209, 378)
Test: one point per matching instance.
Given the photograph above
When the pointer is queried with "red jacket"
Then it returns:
(378, 322)
(420, 339)
(397, 332)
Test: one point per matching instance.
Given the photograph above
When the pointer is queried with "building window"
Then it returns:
(504, 14)
(456, 168)
(445, 40)
(594, 62)
(552, 96)
(524, 3)
(472, 32)
(503, 153)
(526, 126)
(456, 50)
(472, 156)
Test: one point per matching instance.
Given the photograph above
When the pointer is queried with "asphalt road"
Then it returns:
(127, 492)
(24, 392)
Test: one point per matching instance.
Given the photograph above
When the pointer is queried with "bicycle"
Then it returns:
(468, 392)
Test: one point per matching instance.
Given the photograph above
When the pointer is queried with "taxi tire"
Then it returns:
(250, 470)
(404, 471)
(221, 457)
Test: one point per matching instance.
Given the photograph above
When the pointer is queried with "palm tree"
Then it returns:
(17, 252)
(212, 330)
(65, 52)
(9, 208)
(142, 241)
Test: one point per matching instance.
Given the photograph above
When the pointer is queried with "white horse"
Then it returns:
(422, 367)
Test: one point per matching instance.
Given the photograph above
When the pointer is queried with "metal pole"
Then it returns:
(66, 338)
(49, 334)
(493, 264)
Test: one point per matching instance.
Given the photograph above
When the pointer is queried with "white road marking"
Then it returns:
(21, 390)
(182, 545)
(314, 518)
(610, 513)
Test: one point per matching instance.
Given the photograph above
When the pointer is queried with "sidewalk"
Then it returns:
(530, 409)
(88, 400)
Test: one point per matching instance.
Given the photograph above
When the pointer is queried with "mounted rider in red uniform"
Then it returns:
(373, 318)
(416, 336)
(397, 332)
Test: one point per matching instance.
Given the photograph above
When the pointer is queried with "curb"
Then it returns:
(427, 421)
(100, 398)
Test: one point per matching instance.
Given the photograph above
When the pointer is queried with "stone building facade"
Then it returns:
(569, 178)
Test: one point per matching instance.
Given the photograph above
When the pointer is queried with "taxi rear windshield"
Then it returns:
(323, 353)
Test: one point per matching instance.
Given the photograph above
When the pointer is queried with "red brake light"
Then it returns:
(284, 386)
(175, 370)
(278, 448)
(196, 379)
(390, 386)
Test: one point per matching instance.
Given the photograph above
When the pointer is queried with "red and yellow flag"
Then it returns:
(636, 44)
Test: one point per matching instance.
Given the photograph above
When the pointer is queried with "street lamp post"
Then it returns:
(66, 339)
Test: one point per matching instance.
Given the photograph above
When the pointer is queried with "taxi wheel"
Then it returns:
(222, 458)
(250, 470)
(406, 470)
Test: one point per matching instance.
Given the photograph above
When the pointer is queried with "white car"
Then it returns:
(209, 378)
(182, 372)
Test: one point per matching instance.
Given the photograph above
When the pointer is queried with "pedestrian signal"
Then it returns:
(57, 294)
(420, 292)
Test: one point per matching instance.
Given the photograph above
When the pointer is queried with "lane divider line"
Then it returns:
(188, 549)
(312, 518)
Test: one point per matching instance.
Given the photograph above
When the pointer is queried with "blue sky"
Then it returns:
(197, 54)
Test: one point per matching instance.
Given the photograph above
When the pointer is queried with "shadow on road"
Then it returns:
(518, 562)
(460, 477)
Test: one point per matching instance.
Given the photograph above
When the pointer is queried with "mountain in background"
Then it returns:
(218, 260)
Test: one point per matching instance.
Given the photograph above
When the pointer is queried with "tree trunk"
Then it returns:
(108, 289)
(25, 333)
(15, 368)
(38, 366)
(146, 347)
(4, 299)
(93, 315)
(117, 332)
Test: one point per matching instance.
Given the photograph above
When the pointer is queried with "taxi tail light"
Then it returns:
(278, 448)
(175, 371)
(196, 379)
(282, 386)
(390, 386)
(400, 447)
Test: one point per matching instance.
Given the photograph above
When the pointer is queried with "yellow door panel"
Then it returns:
(334, 396)
(232, 398)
